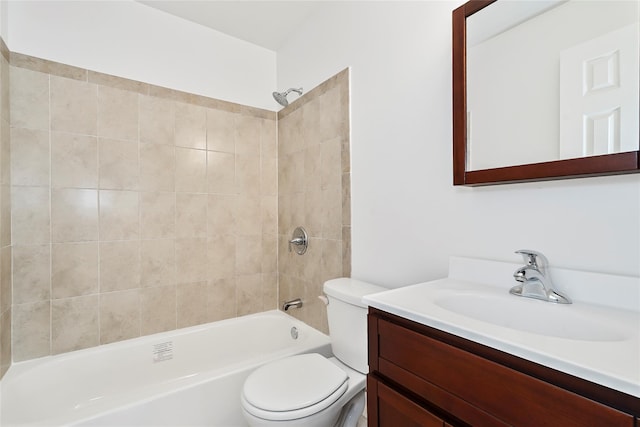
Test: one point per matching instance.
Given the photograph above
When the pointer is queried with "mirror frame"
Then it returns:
(608, 164)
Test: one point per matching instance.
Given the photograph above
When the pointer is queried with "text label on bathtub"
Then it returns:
(162, 351)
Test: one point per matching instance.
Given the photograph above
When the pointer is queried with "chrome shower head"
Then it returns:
(281, 97)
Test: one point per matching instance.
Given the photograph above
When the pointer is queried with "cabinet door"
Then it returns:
(394, 410)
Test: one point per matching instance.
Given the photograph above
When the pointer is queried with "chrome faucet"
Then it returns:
(534, 279)
(295, 303)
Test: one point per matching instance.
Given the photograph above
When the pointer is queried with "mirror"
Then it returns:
(545, 89)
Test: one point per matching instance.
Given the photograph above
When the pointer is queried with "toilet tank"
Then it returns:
(347, 317)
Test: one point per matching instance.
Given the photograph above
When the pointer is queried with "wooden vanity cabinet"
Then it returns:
(421, 376)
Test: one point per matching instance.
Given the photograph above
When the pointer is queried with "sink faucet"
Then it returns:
(534, 279)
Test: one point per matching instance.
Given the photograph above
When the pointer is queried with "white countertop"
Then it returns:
(606, 350)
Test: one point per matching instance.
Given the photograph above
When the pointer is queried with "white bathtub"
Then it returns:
(187, 377)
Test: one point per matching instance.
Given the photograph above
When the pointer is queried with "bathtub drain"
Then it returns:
(294, 332)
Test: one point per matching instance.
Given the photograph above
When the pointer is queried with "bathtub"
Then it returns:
(191, 376)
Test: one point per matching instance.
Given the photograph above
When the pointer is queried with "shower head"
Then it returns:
(281, 97)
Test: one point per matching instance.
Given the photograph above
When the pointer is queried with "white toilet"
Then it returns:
(308, 389)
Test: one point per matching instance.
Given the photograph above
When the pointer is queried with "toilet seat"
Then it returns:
(293, 387)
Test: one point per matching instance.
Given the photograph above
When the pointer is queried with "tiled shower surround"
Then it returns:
(314, 192)
(138, 209)
(5, 214)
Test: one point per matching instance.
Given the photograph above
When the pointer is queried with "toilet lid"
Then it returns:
(294, 383)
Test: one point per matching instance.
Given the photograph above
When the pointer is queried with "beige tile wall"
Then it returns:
(5, 214)
(136, 209)
(314, 192)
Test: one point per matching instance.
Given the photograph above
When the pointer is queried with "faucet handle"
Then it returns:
(300, 240)
(533, 258)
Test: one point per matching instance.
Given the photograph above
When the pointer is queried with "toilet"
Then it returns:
(309, 389)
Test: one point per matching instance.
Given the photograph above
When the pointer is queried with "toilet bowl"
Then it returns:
(307, 389)
(311, 390)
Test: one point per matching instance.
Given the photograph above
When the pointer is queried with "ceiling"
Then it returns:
(261, 22)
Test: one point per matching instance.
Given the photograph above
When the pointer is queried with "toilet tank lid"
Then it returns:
(350, 290)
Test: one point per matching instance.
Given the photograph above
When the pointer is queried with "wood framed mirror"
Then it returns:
(551, 113)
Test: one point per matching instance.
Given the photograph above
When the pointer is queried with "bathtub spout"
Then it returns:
(295, 303)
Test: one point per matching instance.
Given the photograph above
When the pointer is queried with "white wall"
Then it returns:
(407, 217)
(131, 40)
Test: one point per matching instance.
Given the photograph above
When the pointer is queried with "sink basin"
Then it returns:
(597, 338)
(537, 317)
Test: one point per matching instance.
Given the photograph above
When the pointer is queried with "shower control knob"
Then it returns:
(299, 241)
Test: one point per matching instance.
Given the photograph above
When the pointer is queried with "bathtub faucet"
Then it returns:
(294, 303)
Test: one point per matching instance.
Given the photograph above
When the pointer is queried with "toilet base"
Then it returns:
(352, 411)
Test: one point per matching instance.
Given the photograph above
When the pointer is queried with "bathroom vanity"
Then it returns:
(425, 377)
(436, 363)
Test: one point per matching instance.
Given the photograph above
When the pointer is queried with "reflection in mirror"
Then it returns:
(551, 80)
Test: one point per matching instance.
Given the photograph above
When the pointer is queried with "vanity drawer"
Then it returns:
(393, 409)
(446, 375)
